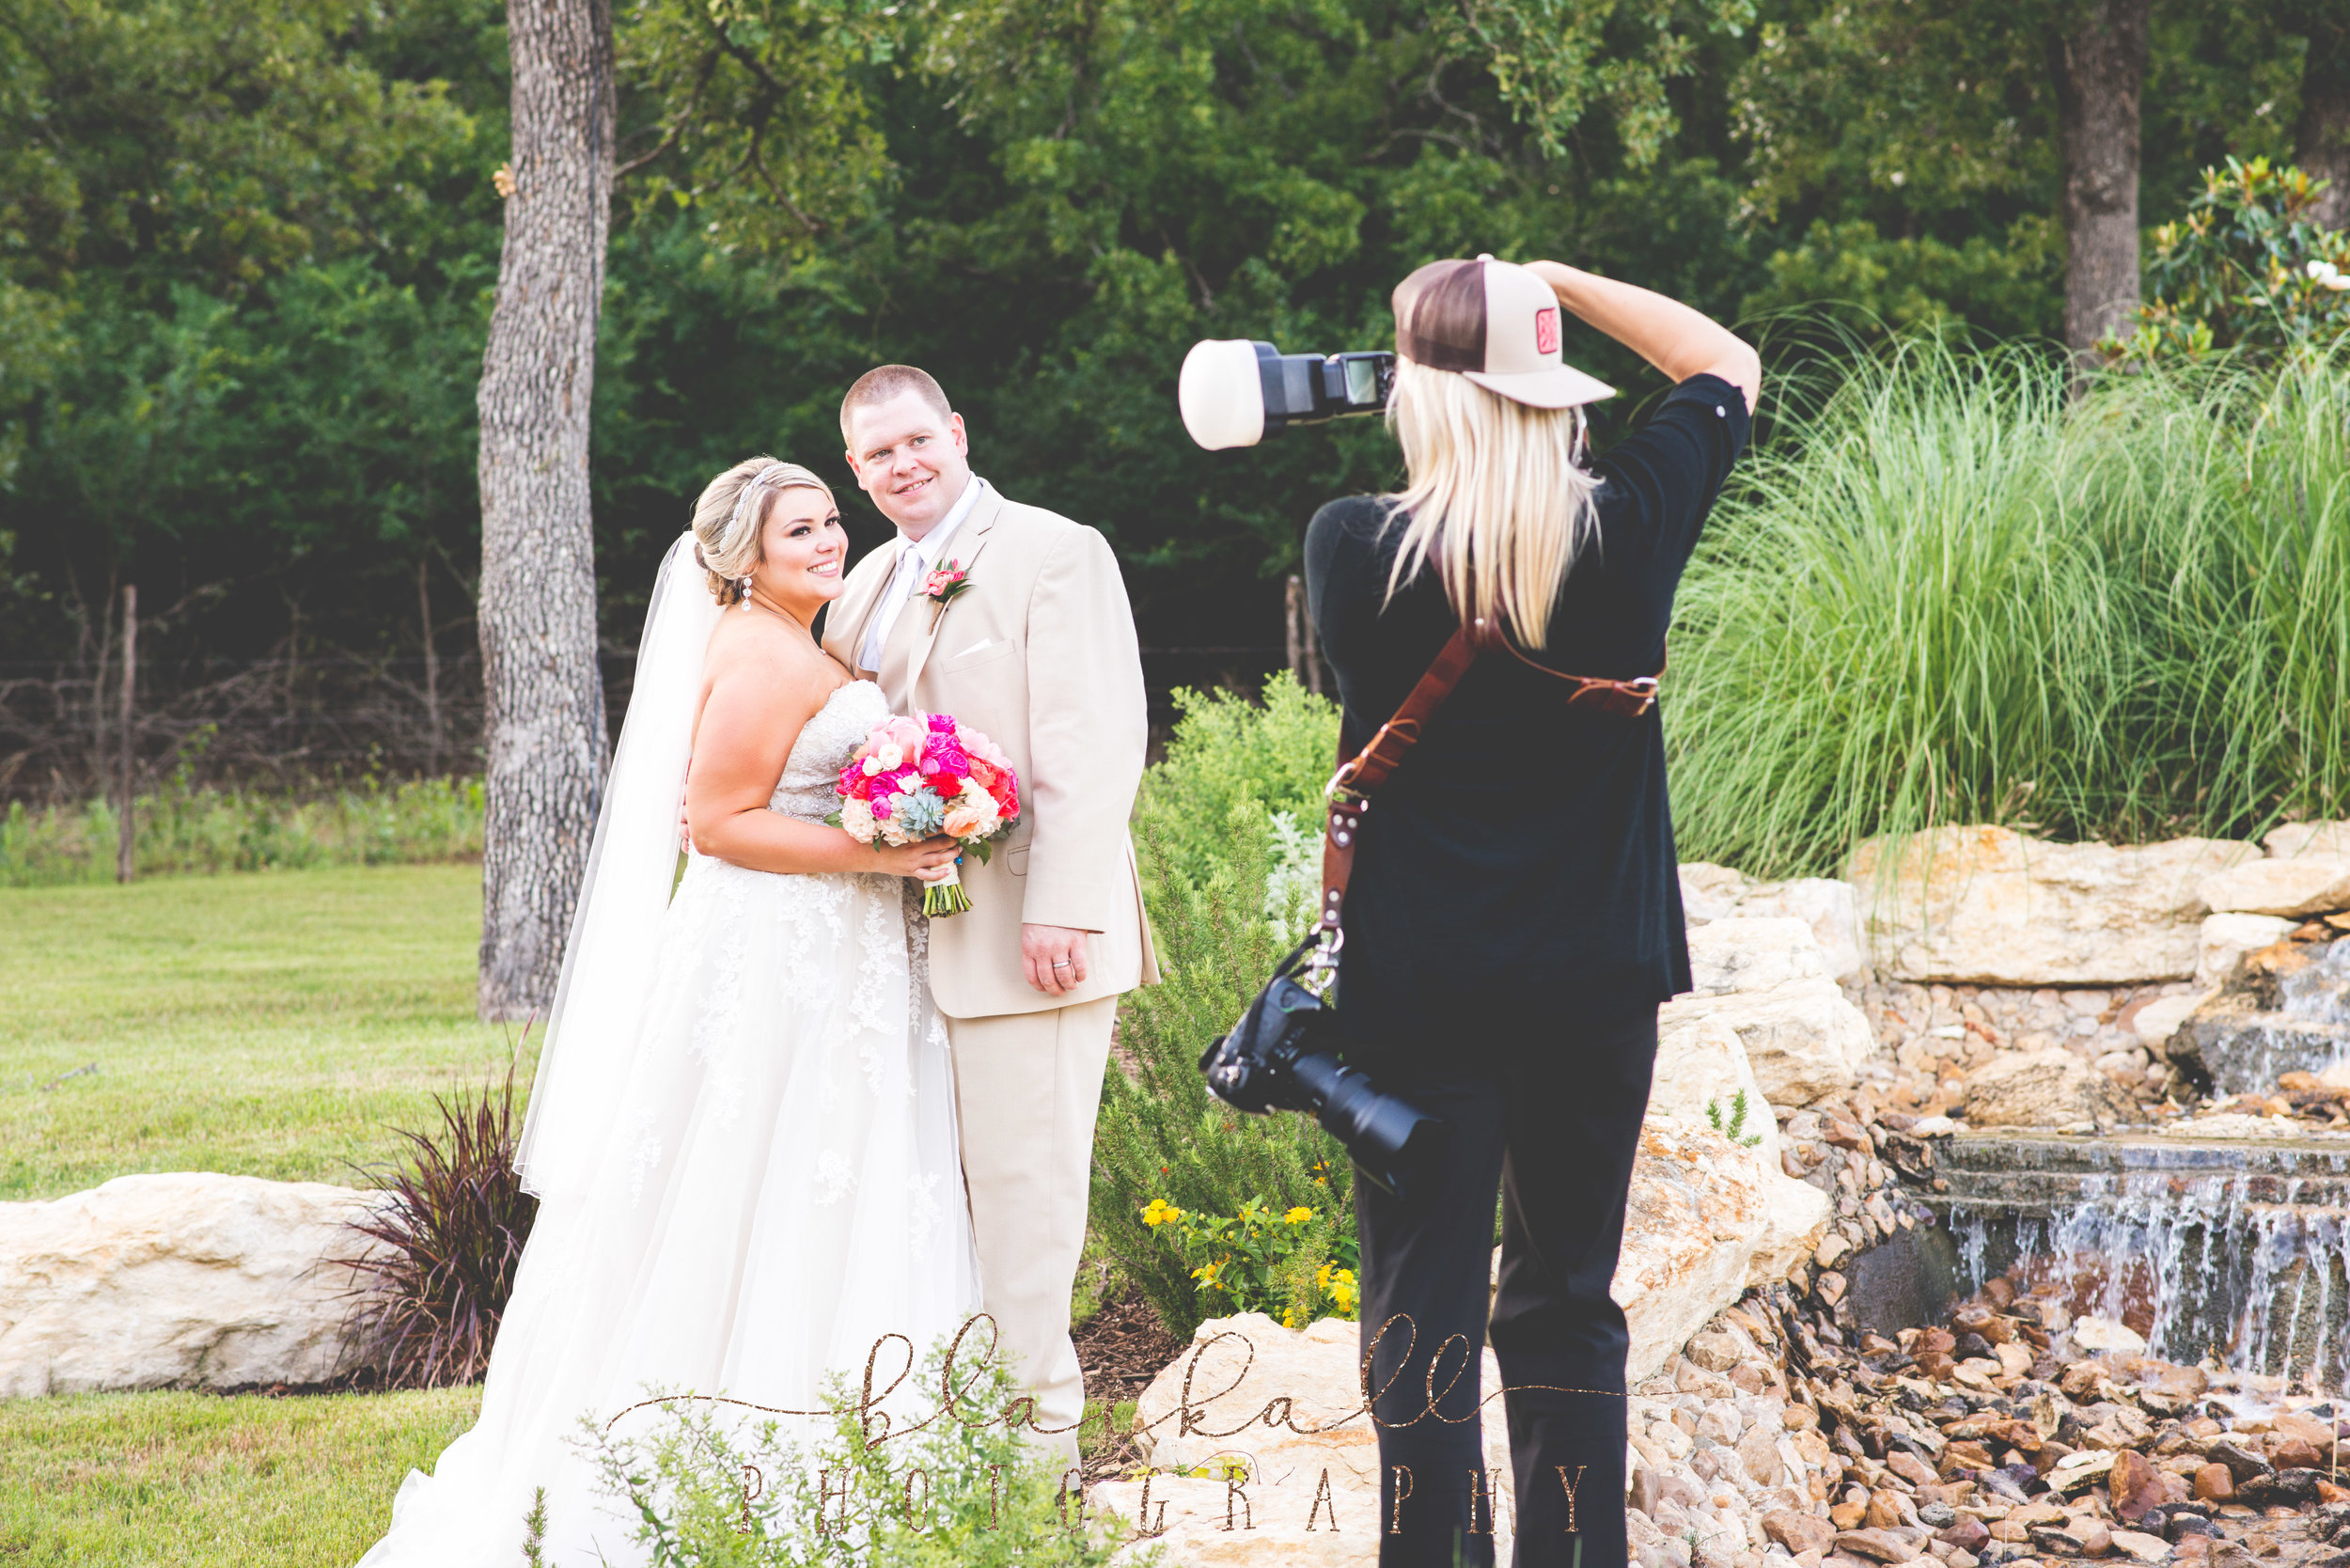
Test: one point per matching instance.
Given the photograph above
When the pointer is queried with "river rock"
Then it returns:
(174, 1281)
(2158, 1020)
(2042, 1089)
(1991, 906)
(2300, 885)
(2108, 1334)
(1701, 1063)
(1705, 1218)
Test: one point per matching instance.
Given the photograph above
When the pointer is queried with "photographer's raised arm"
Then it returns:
(1676, 340)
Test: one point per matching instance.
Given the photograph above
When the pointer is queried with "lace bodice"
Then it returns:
(806, 790)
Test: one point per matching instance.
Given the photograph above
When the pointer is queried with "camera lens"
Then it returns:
(1389, 1139)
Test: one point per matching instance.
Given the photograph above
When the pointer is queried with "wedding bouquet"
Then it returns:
(915, 777)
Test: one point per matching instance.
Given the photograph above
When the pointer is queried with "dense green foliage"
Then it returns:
(2247, 268)
(245, 253)
(1948, 595)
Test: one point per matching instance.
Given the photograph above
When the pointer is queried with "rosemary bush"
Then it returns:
(958, 1490)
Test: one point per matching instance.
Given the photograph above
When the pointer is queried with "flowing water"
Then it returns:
(2237, 1249)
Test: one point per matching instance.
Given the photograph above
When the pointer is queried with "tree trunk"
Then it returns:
(432, 668)
(2098, 68)
(2322, 139)
(1305, 663)
(544, 720)
(126, 831)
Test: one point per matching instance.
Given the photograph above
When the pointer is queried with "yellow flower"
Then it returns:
(1321, 1277)
(1206, 1274)
(1289, 1318)
(1161, 1213)
(1298, 1216)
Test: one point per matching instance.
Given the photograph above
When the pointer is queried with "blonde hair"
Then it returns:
(731, 513)
(1495, 498)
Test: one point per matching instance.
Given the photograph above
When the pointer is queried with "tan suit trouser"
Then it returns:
(1026, 1088)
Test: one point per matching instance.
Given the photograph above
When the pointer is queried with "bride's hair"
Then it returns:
(731, 512)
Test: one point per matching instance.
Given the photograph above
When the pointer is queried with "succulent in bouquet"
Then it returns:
(931, 773)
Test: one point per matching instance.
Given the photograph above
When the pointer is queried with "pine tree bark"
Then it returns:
(2322, 138)
(544, 728)
(2099, 68)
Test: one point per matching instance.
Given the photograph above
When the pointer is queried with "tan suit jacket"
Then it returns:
(1039, 652)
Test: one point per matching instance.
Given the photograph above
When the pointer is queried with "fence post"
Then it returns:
(1304, 659)
(126, 833)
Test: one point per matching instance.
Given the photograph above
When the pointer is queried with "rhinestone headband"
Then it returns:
(747, 504)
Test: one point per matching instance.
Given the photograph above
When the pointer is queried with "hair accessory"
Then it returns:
(747, 504)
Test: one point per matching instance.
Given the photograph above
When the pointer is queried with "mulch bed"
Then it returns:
(1120, 1348)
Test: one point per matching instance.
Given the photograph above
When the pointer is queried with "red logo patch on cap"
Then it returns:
(1546, 330)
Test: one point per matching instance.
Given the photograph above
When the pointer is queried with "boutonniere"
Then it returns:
(941, 586)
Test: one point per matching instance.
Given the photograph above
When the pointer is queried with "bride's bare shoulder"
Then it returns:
(770, 663)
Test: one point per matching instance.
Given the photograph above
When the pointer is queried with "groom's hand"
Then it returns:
(1054, 958)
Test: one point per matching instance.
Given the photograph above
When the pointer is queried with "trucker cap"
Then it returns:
(1495, 322)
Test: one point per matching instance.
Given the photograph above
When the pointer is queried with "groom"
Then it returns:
(1037, 651)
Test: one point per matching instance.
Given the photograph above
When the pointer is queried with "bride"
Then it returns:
(742, 1133)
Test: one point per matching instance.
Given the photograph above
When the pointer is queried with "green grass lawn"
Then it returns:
(192, 1481)
(271, 1024)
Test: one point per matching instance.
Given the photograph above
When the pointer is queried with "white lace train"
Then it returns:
(783, 1190)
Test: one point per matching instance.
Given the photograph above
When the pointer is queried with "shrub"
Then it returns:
(959, 1490)
(2245, 269)
(448, 1241)
(1161, 1136)
(1278, 752)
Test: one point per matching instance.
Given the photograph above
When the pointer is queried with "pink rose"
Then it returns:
(962, 820)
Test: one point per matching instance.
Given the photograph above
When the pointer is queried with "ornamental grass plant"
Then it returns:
(1947, 592)
(447, 1243)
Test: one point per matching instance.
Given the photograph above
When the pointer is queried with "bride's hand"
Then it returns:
(927, 861)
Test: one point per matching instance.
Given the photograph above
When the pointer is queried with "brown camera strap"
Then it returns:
(1358, 778)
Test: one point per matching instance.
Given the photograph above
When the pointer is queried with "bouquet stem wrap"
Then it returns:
(946, 896)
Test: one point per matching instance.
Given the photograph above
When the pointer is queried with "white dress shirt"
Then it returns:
(917, 560)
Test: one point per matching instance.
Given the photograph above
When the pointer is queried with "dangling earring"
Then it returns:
(743, 590)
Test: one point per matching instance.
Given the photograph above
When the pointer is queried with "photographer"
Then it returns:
(1514, 914)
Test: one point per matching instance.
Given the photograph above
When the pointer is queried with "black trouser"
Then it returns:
(1555, 1123)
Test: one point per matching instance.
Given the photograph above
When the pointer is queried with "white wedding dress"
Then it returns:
(773, 1186)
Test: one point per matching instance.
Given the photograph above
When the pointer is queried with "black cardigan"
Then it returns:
(1518, 869)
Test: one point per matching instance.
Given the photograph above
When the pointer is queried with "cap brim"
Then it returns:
(1563, 387)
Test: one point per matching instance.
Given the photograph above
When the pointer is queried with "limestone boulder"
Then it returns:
(1275, 1417)
(1990, 906)
(1766, 977)
(1708, 892)
(174, 1281)
(1705, 1219)
(1701, 1065)
(1830, 908)
(2223, 939)
(2309, 839)
(2299, 885)
(2042, 1089)
(2159, 1020)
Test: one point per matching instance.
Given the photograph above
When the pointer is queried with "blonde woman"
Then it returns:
(1514, 914)
(741, 1133)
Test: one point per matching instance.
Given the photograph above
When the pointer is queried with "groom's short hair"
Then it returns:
(885, 382)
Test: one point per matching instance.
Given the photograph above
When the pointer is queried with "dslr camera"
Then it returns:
(1280, 1057)
(1236, 391)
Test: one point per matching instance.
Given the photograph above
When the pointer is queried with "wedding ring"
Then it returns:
(1061, 963)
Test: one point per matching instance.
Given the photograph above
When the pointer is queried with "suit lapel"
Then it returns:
(965, 550)
(857, 606)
